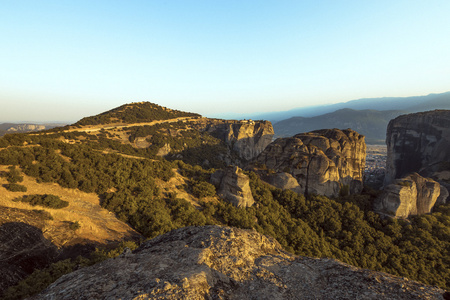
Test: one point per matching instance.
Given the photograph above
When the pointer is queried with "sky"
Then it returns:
(64, 60)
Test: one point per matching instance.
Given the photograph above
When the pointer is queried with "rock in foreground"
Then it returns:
(214, 262)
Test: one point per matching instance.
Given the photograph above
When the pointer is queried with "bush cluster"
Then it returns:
(14, 187)
(50, 201)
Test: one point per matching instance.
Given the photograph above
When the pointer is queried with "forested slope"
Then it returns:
(133, 184)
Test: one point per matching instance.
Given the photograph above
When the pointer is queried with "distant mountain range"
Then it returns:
(406, 104)
(369, 117)
(24, 127)
(369, 122)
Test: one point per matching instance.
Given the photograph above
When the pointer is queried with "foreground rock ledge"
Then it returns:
(214, 262)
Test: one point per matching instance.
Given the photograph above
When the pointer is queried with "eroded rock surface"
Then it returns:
(419, 143)
(233, 186)
(322, 161)
(247, 138)
(214, 262)
(411, 195)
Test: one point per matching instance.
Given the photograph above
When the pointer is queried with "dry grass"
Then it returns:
(97, 224)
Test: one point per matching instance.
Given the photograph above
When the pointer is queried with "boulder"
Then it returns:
(285, 181)
(233, 186)
(322, 161)
(213, 262)
(411, 195)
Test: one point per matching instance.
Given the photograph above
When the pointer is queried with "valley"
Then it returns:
(375, 165)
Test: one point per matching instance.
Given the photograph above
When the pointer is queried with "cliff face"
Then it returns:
(322, 161)
(411, 195)
(26, 128)
(247, 138)
(214, 262)
(420, 143)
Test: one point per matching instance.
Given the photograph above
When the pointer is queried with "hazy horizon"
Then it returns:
(65, 61)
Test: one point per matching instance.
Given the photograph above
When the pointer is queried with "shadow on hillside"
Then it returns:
(24, 249)
(208, 156)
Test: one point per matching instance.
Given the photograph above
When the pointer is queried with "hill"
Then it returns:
(371, 123)
(135, 113)
(156, 176)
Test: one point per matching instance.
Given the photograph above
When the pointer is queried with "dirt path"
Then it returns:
(94, 128)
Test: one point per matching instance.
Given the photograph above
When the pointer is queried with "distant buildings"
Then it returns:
(375, 165)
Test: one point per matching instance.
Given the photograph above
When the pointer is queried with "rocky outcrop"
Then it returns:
(26, 128)
(214, 262)
(233, 186)
(322, 161)
(164, 150)
(411, 195)
(247, 138)
(419, 143)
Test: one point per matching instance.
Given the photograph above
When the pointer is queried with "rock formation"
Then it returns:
(284, 181)
(26, 128)
(247, 138)
(419, 143)
(214, 262)
(322, 161)
(411, 195)
(233, 186)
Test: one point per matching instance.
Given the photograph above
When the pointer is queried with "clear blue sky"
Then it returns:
(63, 60)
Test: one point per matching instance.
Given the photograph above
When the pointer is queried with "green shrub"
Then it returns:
(44, 215)
(14, 187)
(203, 189)
(404, 183)
(45, 200)
(75, 225)
(13, 175)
